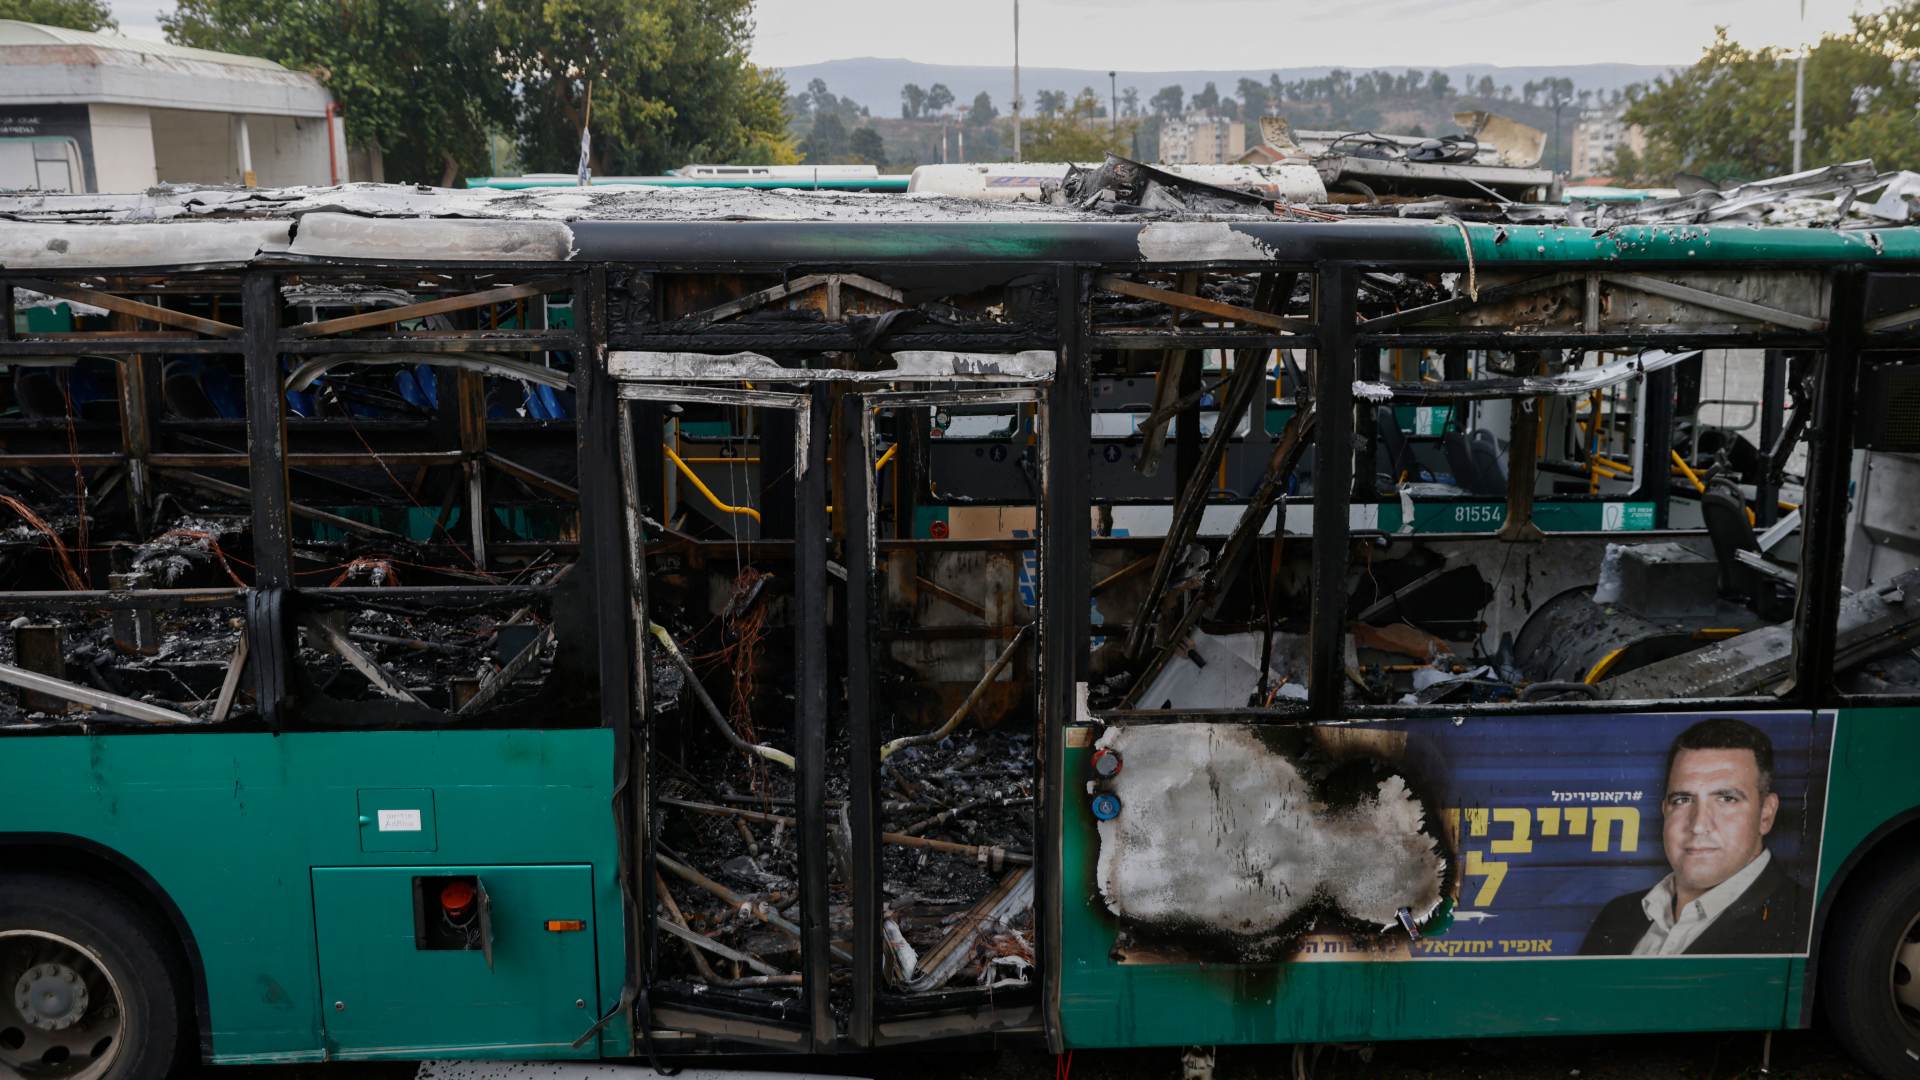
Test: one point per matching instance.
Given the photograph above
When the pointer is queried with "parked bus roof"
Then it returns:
(187, 226)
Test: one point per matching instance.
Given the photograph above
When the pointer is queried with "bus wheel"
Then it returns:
(86, 992)
(1870, 972)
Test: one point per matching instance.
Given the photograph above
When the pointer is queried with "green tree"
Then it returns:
(982, 113)
(668, 81)
(913, 101)
(828, 142)
(938, 98)
(867, 147)
(1050, 103)
(414, 77)
(71, 14)
(1075, 133)
(1254, 101)
(1167, 100)
(1729, 116)
(1626, 167)
(1207, 100)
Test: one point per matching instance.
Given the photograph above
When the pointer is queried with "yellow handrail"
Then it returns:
(1604, 665)
(1680, 463)
(700, 485)
(1687, 471)
(886, 457)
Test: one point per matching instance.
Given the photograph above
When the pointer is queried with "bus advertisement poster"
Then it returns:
(1508, 837)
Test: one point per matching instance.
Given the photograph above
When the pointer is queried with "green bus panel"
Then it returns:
(386, 997)
(1873, 755)
(1104, 1003)
(231, 825)
(1471, 514)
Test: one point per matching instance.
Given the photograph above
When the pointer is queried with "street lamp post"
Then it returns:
(1016, 80)
(1800, 92)
(1113, 101)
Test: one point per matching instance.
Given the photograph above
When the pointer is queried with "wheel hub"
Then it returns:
(51, 997)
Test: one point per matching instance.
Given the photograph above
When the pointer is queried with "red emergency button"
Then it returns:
(456, 900)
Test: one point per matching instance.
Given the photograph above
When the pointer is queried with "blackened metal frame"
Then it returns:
(262, 339)
(867, 1027)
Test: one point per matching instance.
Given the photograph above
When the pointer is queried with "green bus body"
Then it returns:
(233, 829)
(291, 864)
(239, 833)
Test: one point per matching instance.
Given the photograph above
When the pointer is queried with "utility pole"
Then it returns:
(1016, 80)
(1800, 92)
(1113, 101)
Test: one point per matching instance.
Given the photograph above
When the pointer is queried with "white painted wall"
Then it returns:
(289, 150)
(123, 155)
(191, 147)
(201, 147)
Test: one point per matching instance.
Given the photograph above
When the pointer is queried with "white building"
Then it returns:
(1200, 138)
(97, 112)
(1598, 136)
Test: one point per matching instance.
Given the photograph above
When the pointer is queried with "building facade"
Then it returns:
(1598, 136)
(102, 113)
(1200, 138)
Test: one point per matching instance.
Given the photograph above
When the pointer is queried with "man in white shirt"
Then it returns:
(1726, 893)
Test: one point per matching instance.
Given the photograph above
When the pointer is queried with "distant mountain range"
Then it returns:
(875, 82)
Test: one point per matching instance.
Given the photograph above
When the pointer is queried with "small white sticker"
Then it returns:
(399, 821)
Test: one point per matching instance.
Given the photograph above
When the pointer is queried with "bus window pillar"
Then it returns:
(1332, 381)
(1773, 406)
(1829, 466)
(1652, 471)
(269, 630)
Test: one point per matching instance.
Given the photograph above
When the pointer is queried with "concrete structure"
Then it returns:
(1598, 136)
(97, 112)
(1200, 138)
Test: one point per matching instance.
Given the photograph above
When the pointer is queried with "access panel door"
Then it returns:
(489, 961)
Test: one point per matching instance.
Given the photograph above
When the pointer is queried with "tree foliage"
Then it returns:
(1075, 133)
(412, 77)
(866, 147)
(670, 83)
(913, 101)
(982, 113)
(426, 80)
(828, 142)
(71, 14)
(1730, 115)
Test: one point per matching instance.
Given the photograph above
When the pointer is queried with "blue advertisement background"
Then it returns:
(1550, 894)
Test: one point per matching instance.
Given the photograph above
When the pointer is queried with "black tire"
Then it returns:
(1861, 978)
(129, 947)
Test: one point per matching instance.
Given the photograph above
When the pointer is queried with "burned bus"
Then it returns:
(600, 624)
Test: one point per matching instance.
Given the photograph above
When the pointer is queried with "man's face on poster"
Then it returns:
(1716, 817)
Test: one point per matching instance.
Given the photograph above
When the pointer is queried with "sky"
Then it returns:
(1165, 35)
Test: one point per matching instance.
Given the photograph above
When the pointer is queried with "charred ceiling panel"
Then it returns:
(1233, 843)
(1746, 300)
